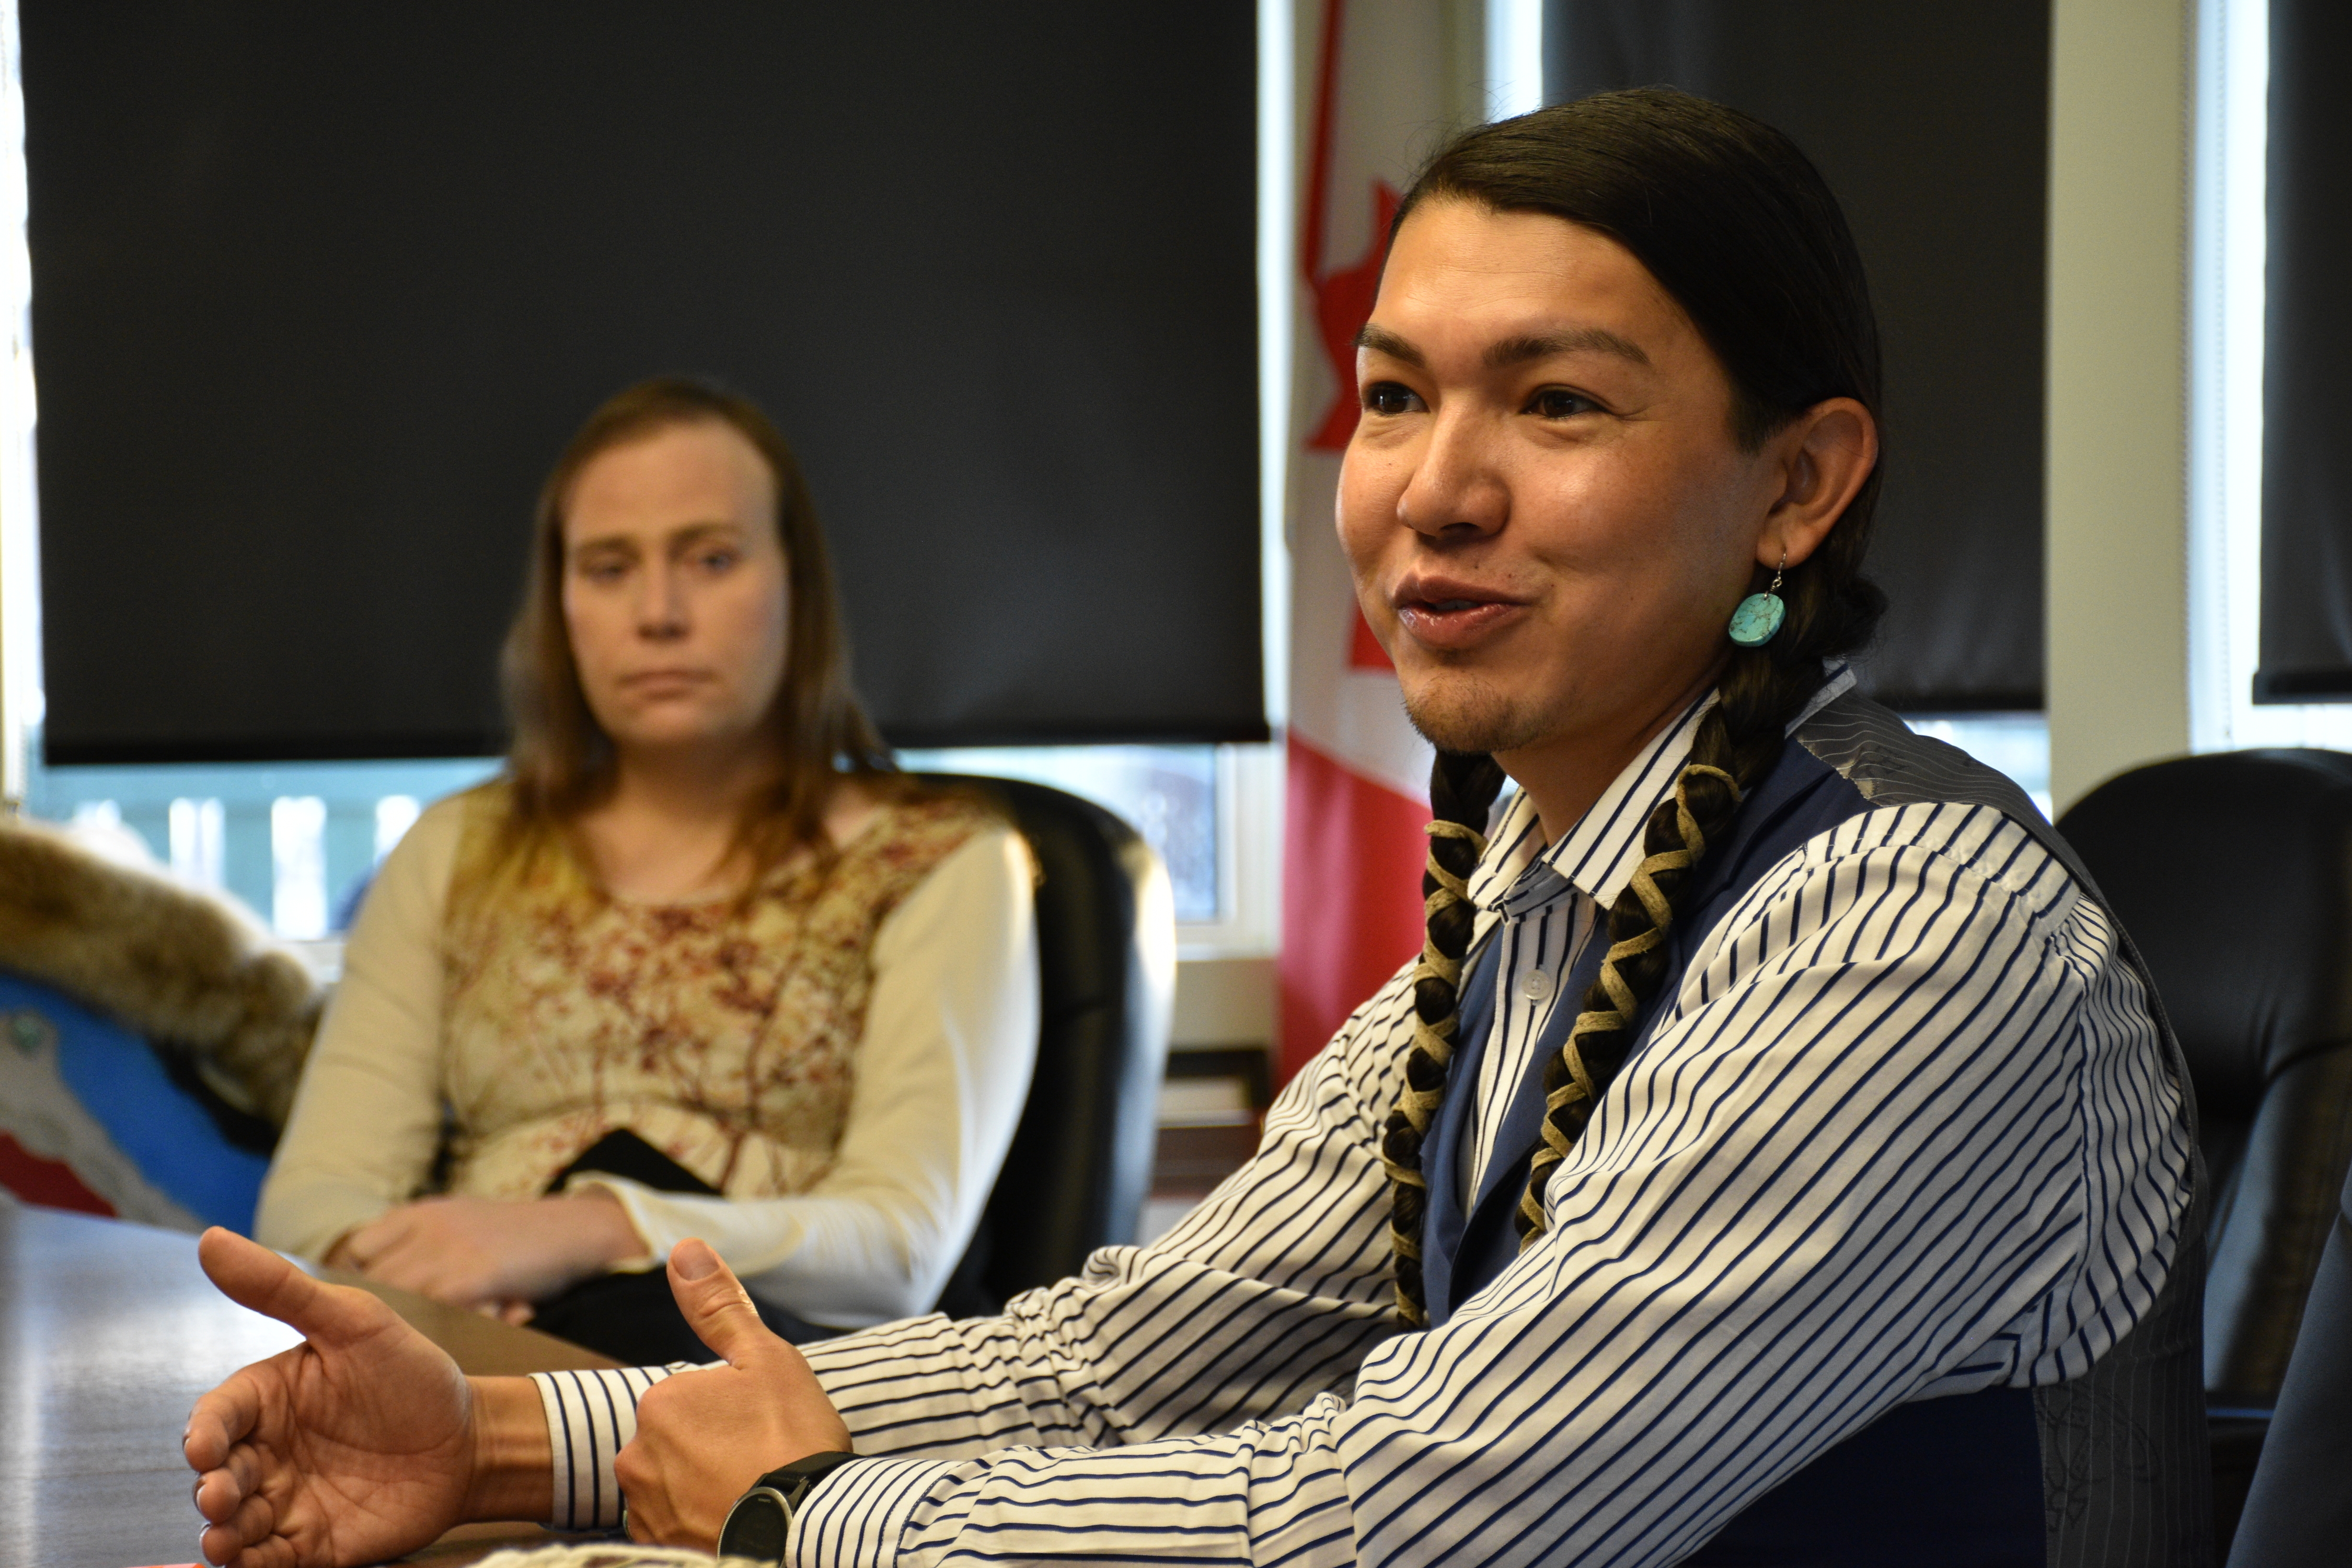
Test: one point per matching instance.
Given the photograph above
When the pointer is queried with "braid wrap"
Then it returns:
(1736, 745)
(1462, 790)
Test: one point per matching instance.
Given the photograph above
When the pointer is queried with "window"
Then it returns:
(1210, 813)
(295, 842)
(2228, 308)
(2017, 744)
(1168, 793)
(298, 842)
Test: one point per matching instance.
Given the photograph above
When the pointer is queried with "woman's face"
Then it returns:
(674, 588)
(1547, 514)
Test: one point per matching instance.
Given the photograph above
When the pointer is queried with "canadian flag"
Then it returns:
(1357, 795)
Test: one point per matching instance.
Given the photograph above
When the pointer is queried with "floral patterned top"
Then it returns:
(724, 1033)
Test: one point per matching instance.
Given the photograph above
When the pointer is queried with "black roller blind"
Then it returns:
(2305, 639)
(320, 290)
(1931, 122)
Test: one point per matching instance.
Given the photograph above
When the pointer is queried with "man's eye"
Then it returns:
(1559, 403)
(602, 571)
(1389, 398)
(717, 560)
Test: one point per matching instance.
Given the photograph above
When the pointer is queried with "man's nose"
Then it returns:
(1457, 488)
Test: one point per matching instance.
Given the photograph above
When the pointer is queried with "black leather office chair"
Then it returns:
(2234, 874)
(2299, 1514)
(1080, 1164)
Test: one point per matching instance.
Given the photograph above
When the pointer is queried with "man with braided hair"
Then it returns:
(1775, 1155)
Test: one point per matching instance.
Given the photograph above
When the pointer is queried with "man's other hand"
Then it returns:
(358, 1445)
(704, 1437)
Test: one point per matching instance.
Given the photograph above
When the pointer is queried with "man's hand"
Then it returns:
(490, 1253)
(361, 1443)
(704, 1437)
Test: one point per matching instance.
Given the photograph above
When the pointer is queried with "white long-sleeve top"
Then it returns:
(942, 1071)
(1905, 1129)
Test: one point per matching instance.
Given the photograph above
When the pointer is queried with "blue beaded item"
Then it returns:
(1757, 619)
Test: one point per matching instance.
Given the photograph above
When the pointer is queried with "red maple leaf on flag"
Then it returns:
(1343, 295)
(1343, 303)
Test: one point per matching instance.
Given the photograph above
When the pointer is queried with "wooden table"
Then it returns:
(108, 1333)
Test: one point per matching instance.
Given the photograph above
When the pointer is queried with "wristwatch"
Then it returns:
(762, 1519)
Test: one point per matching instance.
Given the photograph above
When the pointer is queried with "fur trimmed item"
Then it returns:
(196, 976)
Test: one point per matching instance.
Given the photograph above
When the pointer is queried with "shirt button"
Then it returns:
(1536, 985)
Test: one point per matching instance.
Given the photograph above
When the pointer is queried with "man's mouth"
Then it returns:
(1450, 617)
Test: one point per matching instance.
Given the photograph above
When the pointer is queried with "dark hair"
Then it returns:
(562, 761)
(1741, 229)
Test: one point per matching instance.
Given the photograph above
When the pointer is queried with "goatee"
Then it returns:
(1468, 715)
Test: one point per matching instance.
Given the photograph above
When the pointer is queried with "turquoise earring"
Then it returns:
(1757, 619)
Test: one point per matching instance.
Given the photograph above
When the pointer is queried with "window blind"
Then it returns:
(2305, 637)
(320, 290)
(1931, 123)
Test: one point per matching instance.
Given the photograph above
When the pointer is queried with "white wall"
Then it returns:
(2116, 490)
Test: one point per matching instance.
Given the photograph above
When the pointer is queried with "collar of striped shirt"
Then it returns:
(1520, 872)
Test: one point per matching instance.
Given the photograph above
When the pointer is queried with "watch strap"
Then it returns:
(797, 1479)
(759, 1525)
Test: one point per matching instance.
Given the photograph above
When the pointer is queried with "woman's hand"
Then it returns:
(705, 1435)
(492, 1254)
(360, 1443)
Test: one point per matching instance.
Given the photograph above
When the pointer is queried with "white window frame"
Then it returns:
(20, 599)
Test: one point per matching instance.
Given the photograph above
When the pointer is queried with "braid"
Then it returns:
(1736, 743)
(1461, 789)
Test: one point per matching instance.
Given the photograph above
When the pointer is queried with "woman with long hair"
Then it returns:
(700, 961)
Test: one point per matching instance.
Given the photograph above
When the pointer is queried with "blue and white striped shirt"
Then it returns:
(1905, 1129)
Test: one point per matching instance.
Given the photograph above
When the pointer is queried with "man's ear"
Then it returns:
(1824, 456)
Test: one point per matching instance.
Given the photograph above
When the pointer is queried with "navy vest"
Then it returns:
(2103, 1472)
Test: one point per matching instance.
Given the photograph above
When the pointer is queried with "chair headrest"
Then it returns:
(2234, 874)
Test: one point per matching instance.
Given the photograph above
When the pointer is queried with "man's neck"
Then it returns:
(1564, 775)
